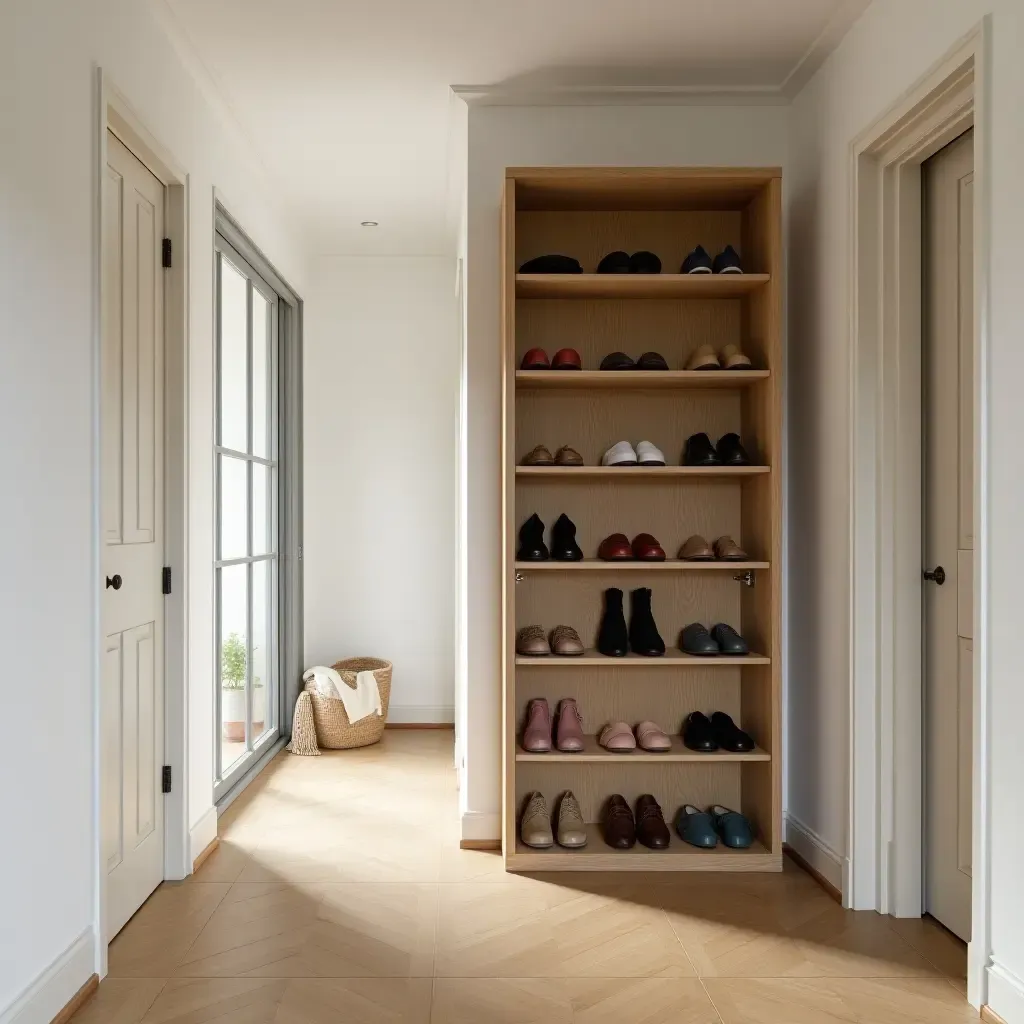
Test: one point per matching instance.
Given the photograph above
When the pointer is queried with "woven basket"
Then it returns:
(333, 729)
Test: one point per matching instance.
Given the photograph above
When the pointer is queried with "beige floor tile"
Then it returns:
(356, 1001)
(939, 947)
(532, 929)
(650, 1000)
(470, 865)
(220, 1000)
(500, 1001)
(226, 863)
(839, 1001)
(120, 1001)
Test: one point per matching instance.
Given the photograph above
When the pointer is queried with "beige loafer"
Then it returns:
(566, 642)
(572, 829)
(696, 549)
(727, 550)
(535, 824)
(566, 456)
(704, 358)
(734, 359)
(540, 456)
(531, 641)
(651, 737)
(618, 738)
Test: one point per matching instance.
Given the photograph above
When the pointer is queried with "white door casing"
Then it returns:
(132, 535)
(948, 380)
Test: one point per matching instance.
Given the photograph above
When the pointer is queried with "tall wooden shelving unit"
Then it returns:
(586, 213)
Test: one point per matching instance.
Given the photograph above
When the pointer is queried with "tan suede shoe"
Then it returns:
(572, 829)
(618, 738)
(727, 550)
(540, 456)
(696, 549)
(650, 736)
(704, 359)
(566, 642)
(734, 359)
(531, 641)
(566, 456)
(535, 824)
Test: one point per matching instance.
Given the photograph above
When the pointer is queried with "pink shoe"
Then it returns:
(653, 738)
(537, 731)
(618, 738)
(569, 736)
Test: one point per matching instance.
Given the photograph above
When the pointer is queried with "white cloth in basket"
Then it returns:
(360, 702)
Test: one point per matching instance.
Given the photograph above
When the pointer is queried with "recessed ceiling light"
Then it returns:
(369, 223)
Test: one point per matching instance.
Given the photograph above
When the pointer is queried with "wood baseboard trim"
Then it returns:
(816, 875)
(78, 1000)
(479, 844)
(990, 1016)
(204, 856)
(419, 725)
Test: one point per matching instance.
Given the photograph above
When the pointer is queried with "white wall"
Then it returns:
(49, 594)
(381, 472)
(888, 50)
(501, 137)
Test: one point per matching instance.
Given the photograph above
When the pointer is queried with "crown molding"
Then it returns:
(617, 96)
(828, 39)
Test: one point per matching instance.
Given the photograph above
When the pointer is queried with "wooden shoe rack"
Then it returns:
(587, 213)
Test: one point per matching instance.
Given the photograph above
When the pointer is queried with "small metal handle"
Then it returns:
(936, 575)
(746, 578)
(114, 582)
(520, 577)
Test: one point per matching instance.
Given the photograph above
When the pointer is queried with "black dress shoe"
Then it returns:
(617, 361)
(651, 361)
(563, 541)
(698, 733)
(644, 637)
(695, 639)
(644, 262)
(617, 824)
(531, 541)
(729, 736)
(731, 452)
(554, 264)
(612, 639)
(728, 640)
(651, 830)
(700, 451)
(614, 263)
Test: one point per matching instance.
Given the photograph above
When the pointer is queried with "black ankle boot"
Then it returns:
(612, 639)
(531, 541)
(563, 541)
(643, 633)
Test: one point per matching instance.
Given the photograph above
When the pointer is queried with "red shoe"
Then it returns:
(615, 548)
(535, 359)
(647, 549)
(567, 359)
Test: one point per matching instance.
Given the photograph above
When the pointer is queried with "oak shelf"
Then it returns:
(633, 474)
(638, 286)
(672, 658)
(669, 565)
(639, 380)
(593, 752)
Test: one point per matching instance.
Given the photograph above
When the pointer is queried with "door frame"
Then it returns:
(886, 776)
(114, 113)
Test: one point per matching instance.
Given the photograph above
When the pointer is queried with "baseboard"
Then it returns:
(77, 1001)
(420, 714)
(813, 853)
(447, 726)
(480, 844)
(990, 1017)
(1005, 994)
(65, 984)
(201, 835)
(204, 856)
(481, 826)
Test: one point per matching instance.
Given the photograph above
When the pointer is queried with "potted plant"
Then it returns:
(232, 682)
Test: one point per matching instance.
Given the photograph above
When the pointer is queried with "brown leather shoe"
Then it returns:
(566, 456)
(616, 548)
(727, 550)
(651, 829)
(569, 731)
(647, 549)
(535, 359)
(696, 549)
(566, 642)
(617, 824)
(540, 456)
(704, 359)
(566, 359)
(531, 641)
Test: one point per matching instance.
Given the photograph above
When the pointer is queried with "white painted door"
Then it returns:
(132, 543)
(949, 530)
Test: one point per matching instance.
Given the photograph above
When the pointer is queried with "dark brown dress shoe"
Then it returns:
(651, 829)
(616, 548)
(617, 824)
(647, 549)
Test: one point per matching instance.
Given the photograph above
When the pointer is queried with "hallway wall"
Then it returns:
(49, 51)
(381, 472)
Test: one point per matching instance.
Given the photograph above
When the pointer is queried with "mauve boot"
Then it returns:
(563, 541)
(531, 541)
(537, 728)
(643, 633)
(612, 640)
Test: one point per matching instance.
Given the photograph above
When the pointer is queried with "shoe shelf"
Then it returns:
(587, 213)
(593, 752)
(638, 286)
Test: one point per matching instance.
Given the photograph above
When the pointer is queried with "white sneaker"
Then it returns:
(649, 455)
(621, 454)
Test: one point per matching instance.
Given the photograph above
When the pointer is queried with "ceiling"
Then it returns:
(347, 102)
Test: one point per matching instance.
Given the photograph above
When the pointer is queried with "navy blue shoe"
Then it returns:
(728, 262)
(698, 262)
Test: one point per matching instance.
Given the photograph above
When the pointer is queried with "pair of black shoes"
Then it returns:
(719, 732)
(642, 637)
(620, 262)
(647, 361)
(701, 452)
(697, 639)
(563, 541)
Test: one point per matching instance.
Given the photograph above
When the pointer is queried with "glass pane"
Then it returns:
(262, 634)
(260, 510)
(234, 508)
(234, 376)
(260, 375)
(234, 608)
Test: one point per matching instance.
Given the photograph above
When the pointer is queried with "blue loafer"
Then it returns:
(696, 827)
(733, 827)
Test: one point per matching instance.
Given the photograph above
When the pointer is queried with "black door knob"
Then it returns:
(936, 575)
(114, 582)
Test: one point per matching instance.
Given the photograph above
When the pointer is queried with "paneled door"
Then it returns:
(948, 375)
(132, 542)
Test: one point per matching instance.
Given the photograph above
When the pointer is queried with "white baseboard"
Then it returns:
(55, 987)
(420, 714)
(481, 826)
(202, 833)
(809, 845)
(1005, 993)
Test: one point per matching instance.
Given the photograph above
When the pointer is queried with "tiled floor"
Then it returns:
(339, 894)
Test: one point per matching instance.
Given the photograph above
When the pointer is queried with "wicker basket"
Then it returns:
(333, 729)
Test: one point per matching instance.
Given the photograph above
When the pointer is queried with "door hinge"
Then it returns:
(166, 580)
(165, 252)
(166, 780)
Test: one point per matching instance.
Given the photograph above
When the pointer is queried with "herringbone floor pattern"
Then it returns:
(339, 894)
